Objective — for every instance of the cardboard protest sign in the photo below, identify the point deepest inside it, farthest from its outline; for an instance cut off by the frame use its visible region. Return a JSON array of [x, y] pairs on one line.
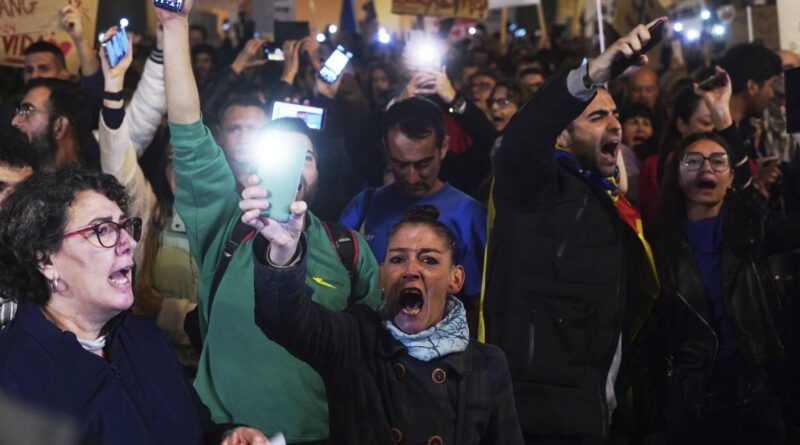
[[45, 12], [475, 9], [28, 16]]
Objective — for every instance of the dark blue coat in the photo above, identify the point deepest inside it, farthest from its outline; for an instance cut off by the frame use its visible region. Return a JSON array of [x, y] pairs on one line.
[[137, 395]]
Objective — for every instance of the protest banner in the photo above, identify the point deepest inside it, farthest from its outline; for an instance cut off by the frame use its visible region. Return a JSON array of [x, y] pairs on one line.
[[46, 12], [28, 16], [474, 9]]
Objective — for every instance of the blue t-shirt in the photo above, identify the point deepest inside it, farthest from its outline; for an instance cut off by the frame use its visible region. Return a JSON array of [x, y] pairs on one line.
[[464, 216], [704, 237]]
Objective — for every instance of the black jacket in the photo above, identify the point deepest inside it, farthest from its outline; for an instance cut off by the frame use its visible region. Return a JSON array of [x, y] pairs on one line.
[[377, 393], [563, 276], [687, 340]]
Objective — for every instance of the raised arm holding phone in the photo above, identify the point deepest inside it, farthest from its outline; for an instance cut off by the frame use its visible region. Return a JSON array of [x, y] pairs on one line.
[[183, 109], [242, 376], [566, 317]]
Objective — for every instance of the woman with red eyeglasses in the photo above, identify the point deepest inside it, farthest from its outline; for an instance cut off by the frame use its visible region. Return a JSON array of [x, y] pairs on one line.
[[66, 256]]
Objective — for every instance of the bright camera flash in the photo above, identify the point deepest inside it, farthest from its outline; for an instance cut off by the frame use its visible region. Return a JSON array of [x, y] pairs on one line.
[[425, 52], [718, 30], [472, 31], [101, 37], [677, 27], [271, 149], [383, 36], [123, 23], [320, 37], [705, 14], [520, 32], [692, 34]]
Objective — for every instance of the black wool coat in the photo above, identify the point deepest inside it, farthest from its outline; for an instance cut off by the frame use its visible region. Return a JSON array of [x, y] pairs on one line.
[[377, 393]]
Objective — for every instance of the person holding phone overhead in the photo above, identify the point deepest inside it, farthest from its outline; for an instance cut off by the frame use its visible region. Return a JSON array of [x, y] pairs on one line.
[[409, 372], [570, 279], [243, 376]]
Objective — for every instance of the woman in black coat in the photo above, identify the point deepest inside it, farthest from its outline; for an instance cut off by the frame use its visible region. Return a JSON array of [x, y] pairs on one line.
[[406, 374], [718, 317]]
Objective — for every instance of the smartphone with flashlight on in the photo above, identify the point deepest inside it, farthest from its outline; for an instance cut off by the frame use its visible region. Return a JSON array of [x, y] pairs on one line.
[[423, 52], [280, 162], [116, 47], [272, 51], [335, 65], [314, 117], [621, 63]]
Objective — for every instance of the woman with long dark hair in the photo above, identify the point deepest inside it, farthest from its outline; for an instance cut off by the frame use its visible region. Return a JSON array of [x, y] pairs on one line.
[[690, 115], [718, 318]]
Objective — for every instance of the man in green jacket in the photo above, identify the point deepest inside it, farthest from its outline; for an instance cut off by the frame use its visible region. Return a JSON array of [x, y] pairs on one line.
[[244, 377]]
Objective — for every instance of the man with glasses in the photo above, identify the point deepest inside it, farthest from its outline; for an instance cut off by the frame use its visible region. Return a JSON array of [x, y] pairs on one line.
[[416, 143], [55, 116], [45, 60]]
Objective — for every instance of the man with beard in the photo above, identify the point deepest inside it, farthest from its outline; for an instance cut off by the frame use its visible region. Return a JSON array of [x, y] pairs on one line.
[[416, 143], [55, 116], [242, 376], [569, 277]]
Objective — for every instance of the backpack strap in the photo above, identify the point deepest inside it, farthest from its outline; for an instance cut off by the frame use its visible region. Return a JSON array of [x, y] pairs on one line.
[[241, 233], [344, 241], [191, 324]]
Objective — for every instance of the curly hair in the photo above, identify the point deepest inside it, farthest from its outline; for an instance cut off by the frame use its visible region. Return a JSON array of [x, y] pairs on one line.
[[32, 222]]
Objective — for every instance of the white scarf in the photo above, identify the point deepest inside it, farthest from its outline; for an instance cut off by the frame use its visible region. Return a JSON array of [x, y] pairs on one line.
[[449, 335]]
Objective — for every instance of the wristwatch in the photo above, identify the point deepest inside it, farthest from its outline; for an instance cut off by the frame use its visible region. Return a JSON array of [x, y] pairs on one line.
[[113, 96], [458, 105]]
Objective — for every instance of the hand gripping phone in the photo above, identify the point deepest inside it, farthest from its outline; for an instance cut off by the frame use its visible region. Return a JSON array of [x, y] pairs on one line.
[[621, 63], [335, 65], [116, 48]]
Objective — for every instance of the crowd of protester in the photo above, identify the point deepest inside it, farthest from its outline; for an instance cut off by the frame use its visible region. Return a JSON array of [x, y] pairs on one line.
[[509, 247]]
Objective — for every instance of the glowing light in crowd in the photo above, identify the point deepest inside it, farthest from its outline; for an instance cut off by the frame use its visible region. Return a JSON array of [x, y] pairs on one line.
[[384, 36], [101, 37], [320, 37], [692, 34], [426, 52], [520, 32], [705, 14], [677, 27], [472, 31], [718, 30], [123, 22], [332, 29]]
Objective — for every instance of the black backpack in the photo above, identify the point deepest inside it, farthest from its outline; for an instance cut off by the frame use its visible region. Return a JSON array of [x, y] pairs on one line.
[[342, 239]]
